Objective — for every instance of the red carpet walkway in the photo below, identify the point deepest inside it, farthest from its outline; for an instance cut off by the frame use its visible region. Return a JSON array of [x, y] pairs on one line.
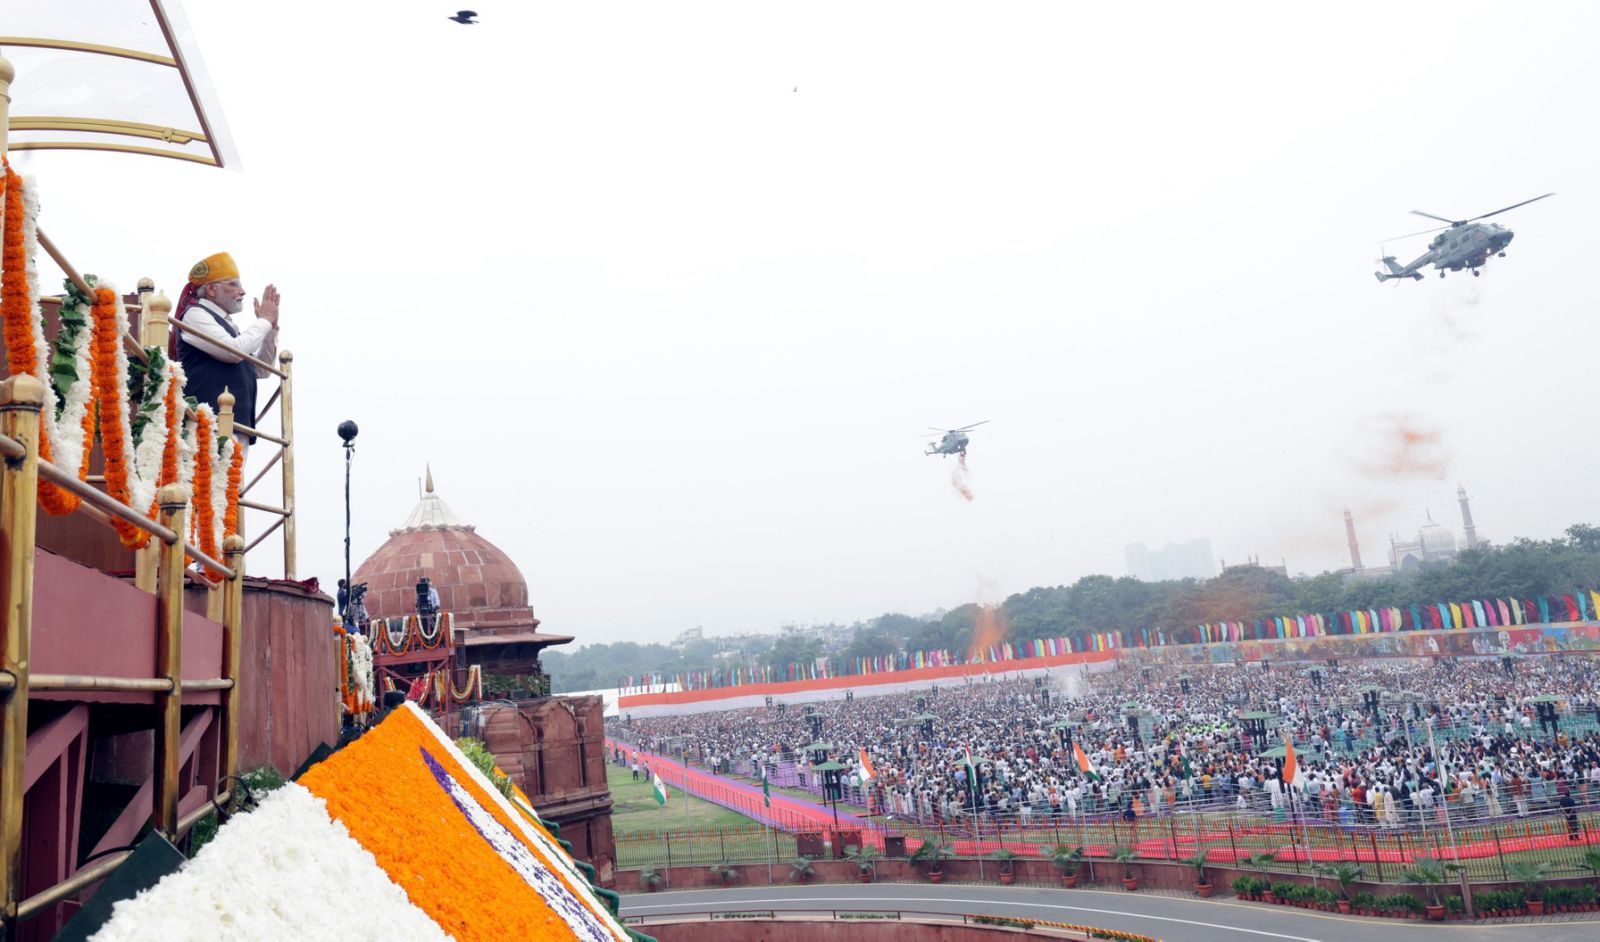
[[785, 813]]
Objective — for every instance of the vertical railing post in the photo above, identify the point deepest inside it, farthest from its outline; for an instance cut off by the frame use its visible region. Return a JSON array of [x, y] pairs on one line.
[[20, 401], [153, 332], [286, 412], [232, 650], [215, 603], [174, 502]]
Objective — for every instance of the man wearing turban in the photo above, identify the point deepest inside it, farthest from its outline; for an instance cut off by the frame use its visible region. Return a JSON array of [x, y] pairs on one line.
[[213, 351]]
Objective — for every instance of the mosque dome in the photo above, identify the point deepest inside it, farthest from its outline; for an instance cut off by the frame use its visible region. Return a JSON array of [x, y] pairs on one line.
[[476, 580], [1436, 540]]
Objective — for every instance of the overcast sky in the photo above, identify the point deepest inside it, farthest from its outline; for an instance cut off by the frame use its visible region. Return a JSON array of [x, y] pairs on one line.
[[666, 292]]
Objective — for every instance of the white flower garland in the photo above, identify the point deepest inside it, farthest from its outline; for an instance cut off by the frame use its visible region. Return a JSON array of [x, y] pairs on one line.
[[69, 446], [219, 490], [144, 471], [41, 346], [188, 446]]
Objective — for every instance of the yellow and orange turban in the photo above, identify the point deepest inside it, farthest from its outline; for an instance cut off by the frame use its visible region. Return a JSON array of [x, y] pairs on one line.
[[213, 268]]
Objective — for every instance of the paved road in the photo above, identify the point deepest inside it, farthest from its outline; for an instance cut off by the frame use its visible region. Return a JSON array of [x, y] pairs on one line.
[[1172, 918]]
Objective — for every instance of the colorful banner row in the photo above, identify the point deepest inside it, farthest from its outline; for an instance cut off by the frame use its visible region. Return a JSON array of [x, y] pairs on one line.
[[1477, 613]]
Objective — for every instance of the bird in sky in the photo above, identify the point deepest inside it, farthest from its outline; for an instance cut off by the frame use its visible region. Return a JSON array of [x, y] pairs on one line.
[[464, 17]]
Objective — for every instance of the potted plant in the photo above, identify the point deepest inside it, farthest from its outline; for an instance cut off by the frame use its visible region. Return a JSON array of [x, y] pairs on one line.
[[1259, 863], [1531, 874], [1126, 856], [1591, 862], [1365, 903], [865, 861], [933, 854], [1432, 874], [1007, 858], [1067, 860], [1345, 874], [649, 878], [803, 870], [724, 871], [1202, 886]]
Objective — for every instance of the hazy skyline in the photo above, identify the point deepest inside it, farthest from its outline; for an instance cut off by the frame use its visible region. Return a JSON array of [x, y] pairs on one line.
[[665, 295]]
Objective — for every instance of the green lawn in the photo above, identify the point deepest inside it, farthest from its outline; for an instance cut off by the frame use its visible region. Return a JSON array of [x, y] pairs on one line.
[[634, 808], [648, 834]]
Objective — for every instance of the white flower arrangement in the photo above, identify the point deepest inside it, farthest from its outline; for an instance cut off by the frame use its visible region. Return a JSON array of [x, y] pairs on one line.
[[144, 473], [284, 871], [69, 445], [219, 489]]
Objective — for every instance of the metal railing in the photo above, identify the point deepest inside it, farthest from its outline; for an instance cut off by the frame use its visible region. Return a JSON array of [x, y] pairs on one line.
[[21, 401]]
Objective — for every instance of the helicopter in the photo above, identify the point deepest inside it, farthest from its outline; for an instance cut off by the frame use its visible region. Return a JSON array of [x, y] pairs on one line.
[[1461, 243], [954, 441]]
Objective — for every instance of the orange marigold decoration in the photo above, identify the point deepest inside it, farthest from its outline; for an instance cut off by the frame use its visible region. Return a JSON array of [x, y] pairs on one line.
[[471, 891], [205, 462], [21, 355], [21, 323], [169, 455], [110, 382], [231, 514]]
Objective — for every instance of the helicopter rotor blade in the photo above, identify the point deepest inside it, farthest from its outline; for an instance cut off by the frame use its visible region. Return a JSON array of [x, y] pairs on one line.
[[1509, 208], [1410, 234], [966, 428], [1448, 222]]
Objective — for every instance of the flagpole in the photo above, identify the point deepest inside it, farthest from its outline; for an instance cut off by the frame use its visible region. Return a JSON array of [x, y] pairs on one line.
[[661, 828]]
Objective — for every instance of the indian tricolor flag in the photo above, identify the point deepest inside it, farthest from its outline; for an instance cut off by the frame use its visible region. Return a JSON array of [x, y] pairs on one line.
[[867, 772], [660, 788], [1084, 765], [396, 836]]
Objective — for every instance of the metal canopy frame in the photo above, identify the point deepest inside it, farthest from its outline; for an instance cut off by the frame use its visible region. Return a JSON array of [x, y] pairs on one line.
[[172, 58]]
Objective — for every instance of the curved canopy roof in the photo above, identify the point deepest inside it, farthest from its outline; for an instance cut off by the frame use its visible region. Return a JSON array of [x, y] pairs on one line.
[[111, 75]]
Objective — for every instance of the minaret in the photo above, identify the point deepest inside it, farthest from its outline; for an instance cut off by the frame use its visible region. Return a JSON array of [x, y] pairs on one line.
[[1466, 517], [1355, 548]]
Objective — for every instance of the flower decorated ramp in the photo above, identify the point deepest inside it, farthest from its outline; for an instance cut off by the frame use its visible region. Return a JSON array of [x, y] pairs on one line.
[[396, 836]]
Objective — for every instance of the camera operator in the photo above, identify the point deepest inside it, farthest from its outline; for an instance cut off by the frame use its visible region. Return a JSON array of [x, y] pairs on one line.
[[427, 604], [353, 606]]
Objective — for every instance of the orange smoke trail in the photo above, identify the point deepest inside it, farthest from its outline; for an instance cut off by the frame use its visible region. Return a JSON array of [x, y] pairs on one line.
[[991, 628], [1409, 450], [958, 477]]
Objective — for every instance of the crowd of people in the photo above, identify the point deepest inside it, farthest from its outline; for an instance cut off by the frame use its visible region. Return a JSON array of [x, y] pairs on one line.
[[1379, 743]]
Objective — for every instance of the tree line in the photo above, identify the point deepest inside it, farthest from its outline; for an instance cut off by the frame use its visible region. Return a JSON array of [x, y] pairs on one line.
[[1521, 569]]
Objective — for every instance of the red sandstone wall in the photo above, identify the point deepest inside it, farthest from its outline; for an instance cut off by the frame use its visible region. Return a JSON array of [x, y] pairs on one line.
[[288, 689], [555, 750]]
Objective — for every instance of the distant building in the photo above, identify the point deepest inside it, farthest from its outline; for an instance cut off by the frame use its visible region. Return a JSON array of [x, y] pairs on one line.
[[1254, 562], [1191, 560], [1434, 544]]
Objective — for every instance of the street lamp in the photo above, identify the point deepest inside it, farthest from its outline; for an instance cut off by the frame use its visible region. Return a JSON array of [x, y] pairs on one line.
[[347, 432]]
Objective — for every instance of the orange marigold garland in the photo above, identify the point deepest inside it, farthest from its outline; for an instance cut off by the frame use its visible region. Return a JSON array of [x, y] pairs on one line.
[[205, 462], [110, 382], [169, 455], [21, 355], [235, 472]]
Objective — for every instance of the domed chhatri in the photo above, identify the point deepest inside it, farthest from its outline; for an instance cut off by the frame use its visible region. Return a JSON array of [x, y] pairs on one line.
[[476, 580]]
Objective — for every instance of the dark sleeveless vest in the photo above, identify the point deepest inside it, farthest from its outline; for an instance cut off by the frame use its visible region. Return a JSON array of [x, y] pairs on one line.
[[208, 376]]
